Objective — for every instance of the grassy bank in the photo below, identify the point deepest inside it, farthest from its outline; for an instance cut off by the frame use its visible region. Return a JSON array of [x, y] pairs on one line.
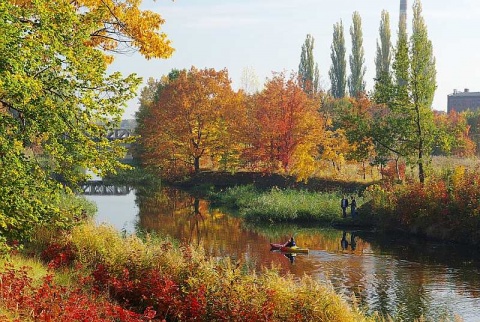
[[141, 279], [283, 205]]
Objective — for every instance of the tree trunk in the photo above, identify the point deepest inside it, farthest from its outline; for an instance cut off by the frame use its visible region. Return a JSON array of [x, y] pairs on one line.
[[421, 171], [364, 170], [397, 169], [196, 163]]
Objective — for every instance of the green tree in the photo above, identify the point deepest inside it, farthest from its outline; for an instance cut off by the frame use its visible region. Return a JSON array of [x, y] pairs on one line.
[[406, 127], [338, 70], [401, 64], [57, 102], [356, 82], [392, 128], [383, 61], [422, 89], [308, 73]]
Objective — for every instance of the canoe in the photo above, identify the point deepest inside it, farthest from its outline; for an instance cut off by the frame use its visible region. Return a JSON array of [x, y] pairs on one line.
[[283, 249]]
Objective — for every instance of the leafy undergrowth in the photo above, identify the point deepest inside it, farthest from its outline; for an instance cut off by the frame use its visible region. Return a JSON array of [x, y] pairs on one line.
[[152, 279], [446, 207], [23, 300]]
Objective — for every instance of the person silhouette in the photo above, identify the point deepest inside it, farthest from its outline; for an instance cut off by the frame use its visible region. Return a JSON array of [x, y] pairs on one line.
[[290, 243], [344, 205], [353, 243], [353, 207], [344, 242], [291, 257]]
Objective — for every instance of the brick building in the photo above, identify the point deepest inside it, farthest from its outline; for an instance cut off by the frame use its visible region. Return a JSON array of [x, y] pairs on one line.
[[462, 101]]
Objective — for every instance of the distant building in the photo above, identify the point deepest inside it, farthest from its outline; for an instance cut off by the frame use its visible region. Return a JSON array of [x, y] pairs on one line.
[[462, 101]]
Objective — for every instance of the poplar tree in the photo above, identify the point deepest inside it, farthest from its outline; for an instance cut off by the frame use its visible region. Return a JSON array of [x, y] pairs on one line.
[[337, 71], [422, 88], [383, 61], [356, 82], [308, 73], [401, 62]]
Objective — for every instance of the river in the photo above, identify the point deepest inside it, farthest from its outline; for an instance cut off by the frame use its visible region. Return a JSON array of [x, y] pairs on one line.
[[403, 277]]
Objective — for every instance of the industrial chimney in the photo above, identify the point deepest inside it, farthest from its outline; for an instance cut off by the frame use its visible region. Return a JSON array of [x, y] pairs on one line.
[[403, 10]]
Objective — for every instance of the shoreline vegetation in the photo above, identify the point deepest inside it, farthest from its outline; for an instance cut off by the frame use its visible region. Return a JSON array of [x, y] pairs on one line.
[[446, 207], [152, 278], [143, 277]]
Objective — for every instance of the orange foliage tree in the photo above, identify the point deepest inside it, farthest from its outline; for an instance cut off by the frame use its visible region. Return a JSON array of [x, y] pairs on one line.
[[285, 128], [453, 134], [122, 26], [193, 117]]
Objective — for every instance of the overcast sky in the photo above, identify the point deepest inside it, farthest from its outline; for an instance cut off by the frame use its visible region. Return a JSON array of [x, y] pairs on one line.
[[267, 36]]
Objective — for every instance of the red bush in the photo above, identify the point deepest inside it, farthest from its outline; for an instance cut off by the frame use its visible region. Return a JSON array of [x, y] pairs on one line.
[[50, 302], [58, 255]]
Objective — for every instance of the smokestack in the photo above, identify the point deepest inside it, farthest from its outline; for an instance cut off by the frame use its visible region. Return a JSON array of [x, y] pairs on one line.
[[403, 10]]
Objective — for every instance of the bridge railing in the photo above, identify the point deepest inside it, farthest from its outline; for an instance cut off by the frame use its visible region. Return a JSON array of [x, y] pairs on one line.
[[117, 134], [100, 188]]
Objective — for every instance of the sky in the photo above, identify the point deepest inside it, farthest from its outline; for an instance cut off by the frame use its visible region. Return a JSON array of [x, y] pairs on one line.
[[267, 35]]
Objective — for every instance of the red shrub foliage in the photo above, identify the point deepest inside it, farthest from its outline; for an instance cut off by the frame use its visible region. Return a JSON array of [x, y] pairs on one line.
[[446, 207], [149, 290], [58, 255], [50, 302]]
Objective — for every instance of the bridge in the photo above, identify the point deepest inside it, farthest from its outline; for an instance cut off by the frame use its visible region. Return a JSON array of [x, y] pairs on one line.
[[100, 188], [118, 134]]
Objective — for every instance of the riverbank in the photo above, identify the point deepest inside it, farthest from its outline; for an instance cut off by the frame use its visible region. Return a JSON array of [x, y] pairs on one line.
[[445, 208], [148, 278]]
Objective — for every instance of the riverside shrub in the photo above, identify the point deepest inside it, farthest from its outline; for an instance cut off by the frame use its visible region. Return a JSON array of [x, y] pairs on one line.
[[26, 301], [446, 206], [152, 277]]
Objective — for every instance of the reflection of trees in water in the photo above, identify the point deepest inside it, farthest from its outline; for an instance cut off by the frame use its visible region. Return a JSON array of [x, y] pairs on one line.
[[386, 274], [462, 260], [312, 237], [189, 219], [416, 263]]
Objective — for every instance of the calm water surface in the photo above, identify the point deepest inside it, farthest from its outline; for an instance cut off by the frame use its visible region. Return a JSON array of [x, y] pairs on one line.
[[403, 277]]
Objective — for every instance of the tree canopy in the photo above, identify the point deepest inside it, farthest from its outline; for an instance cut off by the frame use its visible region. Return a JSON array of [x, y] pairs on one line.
[[57, 101]]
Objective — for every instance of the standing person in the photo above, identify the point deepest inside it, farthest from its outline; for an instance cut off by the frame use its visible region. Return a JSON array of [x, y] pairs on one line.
[[344, 205], [353, 207]]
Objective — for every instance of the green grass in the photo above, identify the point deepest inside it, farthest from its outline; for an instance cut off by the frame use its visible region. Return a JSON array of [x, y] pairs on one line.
[[277, 205]]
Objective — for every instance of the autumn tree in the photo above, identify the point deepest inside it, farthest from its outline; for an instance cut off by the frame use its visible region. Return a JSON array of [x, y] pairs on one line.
[[452, 135], [308, 73], [121, 26], [58, 102], [338, 70], [288, 128], [356, 81], [147, 100], [192, 118], [473, 122]]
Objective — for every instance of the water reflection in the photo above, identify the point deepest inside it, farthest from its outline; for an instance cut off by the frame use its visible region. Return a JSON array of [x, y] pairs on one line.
[[400, 276]]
